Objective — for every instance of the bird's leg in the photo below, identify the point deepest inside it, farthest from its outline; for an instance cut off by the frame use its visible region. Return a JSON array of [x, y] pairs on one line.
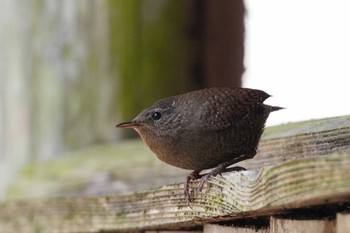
[[217, 171], [221, 168], [193, 176]]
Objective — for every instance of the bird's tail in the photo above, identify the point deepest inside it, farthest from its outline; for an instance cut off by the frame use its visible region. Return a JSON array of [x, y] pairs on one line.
[[275, 108]]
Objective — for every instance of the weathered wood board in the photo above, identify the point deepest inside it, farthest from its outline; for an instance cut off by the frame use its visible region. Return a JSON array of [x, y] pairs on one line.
[[304, 180], [105, 169], [249, 193]]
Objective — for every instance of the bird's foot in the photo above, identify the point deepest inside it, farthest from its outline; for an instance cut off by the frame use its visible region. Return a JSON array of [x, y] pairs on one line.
[[193, 176], [205, 177], [217, 171]]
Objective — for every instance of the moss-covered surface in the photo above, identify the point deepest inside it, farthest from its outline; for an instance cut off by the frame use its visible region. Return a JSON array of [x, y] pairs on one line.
[[167, 50], [150, 52], [314, 125], [125, 54], [110, 168], [127, 166]]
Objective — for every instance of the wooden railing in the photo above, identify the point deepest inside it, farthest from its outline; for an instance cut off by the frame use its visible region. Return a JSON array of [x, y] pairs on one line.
[[299, 182]]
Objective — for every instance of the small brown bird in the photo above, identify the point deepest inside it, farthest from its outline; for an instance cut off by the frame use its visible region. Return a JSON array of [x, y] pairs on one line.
[[203, 129]]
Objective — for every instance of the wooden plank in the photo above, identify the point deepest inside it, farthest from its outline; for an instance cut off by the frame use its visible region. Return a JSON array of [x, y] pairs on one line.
[[281, 225], [173, 231], [98, 169], [271, 189], [213, 228], [301, 140], [343, 223]]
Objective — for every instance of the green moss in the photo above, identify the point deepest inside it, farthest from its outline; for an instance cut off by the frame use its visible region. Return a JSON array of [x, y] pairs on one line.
[[300, 127], [150, 53], [120, 216], [73, 171], [167, 51], [125, 53], [217, 198]]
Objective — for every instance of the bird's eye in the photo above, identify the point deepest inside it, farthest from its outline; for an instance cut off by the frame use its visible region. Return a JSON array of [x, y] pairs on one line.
[[156, 116]]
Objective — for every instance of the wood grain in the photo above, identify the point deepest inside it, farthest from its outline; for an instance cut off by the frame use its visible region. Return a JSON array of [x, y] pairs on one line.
[[302, 226], [213, 228], [250, 193], [343, 222], [301, 140], [106, 168], [309, 177]]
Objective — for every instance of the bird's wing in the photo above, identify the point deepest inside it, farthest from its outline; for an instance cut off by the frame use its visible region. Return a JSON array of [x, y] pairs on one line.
[[225, 107]]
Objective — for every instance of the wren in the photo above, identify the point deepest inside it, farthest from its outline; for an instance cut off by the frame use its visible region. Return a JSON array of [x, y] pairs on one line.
[[203, 129]]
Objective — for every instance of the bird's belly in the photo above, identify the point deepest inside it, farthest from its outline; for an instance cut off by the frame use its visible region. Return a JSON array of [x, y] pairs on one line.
[[204, 151]]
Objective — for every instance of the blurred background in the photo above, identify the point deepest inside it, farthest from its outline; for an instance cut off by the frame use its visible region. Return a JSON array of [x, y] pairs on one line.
[[70, 70]]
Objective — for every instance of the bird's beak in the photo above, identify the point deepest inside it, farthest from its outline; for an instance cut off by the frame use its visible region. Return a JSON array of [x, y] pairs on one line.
[[129, 124]]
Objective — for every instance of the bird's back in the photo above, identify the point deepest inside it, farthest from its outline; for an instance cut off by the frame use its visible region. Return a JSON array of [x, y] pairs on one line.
[[223, 123], [220, 108]]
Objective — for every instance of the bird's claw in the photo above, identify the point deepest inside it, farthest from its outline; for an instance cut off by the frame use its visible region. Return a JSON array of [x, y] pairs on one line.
[[205, 178], [193, 176]]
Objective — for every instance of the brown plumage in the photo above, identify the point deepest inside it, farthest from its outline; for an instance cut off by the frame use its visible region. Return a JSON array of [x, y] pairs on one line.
[[208, 128]]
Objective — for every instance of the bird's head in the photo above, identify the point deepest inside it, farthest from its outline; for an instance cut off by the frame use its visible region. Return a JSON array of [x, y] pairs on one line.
[[156, 120]]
